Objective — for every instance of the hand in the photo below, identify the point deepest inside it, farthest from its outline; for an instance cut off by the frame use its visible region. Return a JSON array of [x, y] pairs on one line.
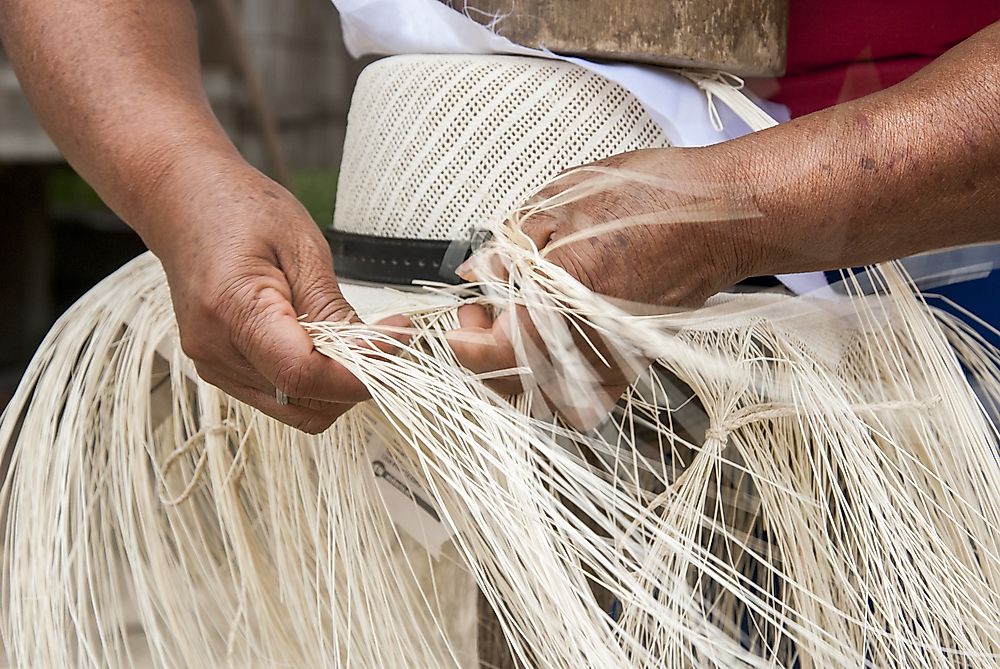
[[665, 232], [244, 259]]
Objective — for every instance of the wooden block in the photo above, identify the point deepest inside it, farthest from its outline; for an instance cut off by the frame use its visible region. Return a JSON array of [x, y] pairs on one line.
[[746, 37]]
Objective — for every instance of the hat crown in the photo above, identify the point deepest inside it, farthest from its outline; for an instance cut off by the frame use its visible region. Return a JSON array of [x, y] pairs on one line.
[[438, 145]]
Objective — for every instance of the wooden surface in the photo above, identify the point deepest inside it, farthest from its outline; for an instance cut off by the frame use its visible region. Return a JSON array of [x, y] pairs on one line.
[[739, 36]]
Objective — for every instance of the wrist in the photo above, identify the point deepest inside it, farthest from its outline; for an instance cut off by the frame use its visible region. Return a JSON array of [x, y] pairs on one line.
[[816, 183], [788, 189], [174, 189], [746, 220]]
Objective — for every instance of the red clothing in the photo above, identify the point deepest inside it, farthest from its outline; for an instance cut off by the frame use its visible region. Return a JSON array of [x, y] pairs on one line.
[[839, 50]]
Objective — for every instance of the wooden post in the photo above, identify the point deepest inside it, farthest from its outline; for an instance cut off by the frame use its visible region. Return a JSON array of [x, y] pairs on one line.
[[277, 166], [744, 37]]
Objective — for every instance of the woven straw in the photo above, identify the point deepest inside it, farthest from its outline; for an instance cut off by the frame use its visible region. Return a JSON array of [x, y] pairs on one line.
[[438, 144]]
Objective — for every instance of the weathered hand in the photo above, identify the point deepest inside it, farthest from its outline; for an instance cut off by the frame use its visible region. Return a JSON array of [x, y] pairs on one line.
[[247, 263], [665, 232]]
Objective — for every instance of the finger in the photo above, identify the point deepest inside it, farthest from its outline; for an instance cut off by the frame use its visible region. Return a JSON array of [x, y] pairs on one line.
[[517, 347], [541, 228], [228, 363], [223, 378], [483, 266], [488, 265], [482, 346], [275, 343], [315, 292], [225, 367], [398, 327], [474, 316], [581, 396], [312, 419], [301, 418], [590, 415]]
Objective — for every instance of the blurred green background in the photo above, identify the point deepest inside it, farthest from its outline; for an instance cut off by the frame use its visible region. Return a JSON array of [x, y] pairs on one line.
[[66, 192]]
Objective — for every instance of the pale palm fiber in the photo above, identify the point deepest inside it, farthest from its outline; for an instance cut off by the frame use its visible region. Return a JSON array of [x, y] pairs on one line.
[[795, 482], [837, 508]]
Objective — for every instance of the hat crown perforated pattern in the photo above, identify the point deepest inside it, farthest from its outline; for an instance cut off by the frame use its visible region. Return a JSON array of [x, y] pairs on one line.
[[437, 145]]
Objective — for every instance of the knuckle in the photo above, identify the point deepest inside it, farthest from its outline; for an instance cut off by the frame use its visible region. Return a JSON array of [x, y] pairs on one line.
[[307, 255], [196, 348], [321, 298], [541, 228]]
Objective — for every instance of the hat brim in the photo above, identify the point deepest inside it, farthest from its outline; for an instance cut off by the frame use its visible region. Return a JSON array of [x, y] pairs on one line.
[[373, 302]]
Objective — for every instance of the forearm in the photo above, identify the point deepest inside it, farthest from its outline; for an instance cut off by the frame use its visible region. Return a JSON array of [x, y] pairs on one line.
[[913, 168], [117, 85]]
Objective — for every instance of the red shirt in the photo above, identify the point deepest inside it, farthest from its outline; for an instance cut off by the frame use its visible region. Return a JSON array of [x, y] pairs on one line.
[[839, 50]]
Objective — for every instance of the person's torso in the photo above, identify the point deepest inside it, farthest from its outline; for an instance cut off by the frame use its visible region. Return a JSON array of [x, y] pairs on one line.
[[844, 49]]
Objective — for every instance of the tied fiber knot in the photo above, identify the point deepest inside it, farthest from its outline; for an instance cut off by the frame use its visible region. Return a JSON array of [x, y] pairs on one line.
[[198, 437], [856, 448], [718, 432], [720, 429]]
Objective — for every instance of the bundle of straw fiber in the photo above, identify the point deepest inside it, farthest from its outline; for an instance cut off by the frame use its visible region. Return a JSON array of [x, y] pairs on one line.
[[793, 482], [839, 510]]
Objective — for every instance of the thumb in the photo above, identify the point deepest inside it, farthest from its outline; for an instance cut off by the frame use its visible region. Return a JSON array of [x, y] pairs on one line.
[[316, 294], [315, 291], [484, 265]]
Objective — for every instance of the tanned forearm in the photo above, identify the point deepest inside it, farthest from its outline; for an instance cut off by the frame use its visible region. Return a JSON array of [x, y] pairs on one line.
[[117, 85], [913, 168]]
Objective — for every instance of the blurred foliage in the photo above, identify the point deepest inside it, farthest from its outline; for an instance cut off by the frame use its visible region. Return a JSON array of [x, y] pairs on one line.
[[68, 192], [316, 189]]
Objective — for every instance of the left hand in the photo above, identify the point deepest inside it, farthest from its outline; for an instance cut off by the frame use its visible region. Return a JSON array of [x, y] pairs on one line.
[[689, 236]]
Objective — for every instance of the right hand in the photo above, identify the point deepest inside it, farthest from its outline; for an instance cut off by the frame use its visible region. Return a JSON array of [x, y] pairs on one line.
[[688, 231], [244, 260]]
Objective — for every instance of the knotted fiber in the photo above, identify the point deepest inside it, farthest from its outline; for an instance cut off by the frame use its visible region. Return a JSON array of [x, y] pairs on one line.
[[793, 483]]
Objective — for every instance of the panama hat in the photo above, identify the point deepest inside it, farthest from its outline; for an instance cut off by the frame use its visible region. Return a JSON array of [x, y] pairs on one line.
[[440, 146]]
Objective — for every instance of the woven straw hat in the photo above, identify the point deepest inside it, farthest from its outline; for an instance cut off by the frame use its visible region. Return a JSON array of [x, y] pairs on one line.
[[440, 145]]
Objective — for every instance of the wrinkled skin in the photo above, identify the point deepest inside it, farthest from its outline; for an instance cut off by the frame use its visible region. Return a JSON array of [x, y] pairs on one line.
[[117, 85], [913, 168], [633, 264], [238, 291], [626, 264]]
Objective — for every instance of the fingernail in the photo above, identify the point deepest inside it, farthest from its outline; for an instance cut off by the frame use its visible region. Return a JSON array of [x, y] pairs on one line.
[[466, 270]]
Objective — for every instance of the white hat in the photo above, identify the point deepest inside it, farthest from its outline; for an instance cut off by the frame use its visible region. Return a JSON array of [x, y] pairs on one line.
[[440, 145]]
